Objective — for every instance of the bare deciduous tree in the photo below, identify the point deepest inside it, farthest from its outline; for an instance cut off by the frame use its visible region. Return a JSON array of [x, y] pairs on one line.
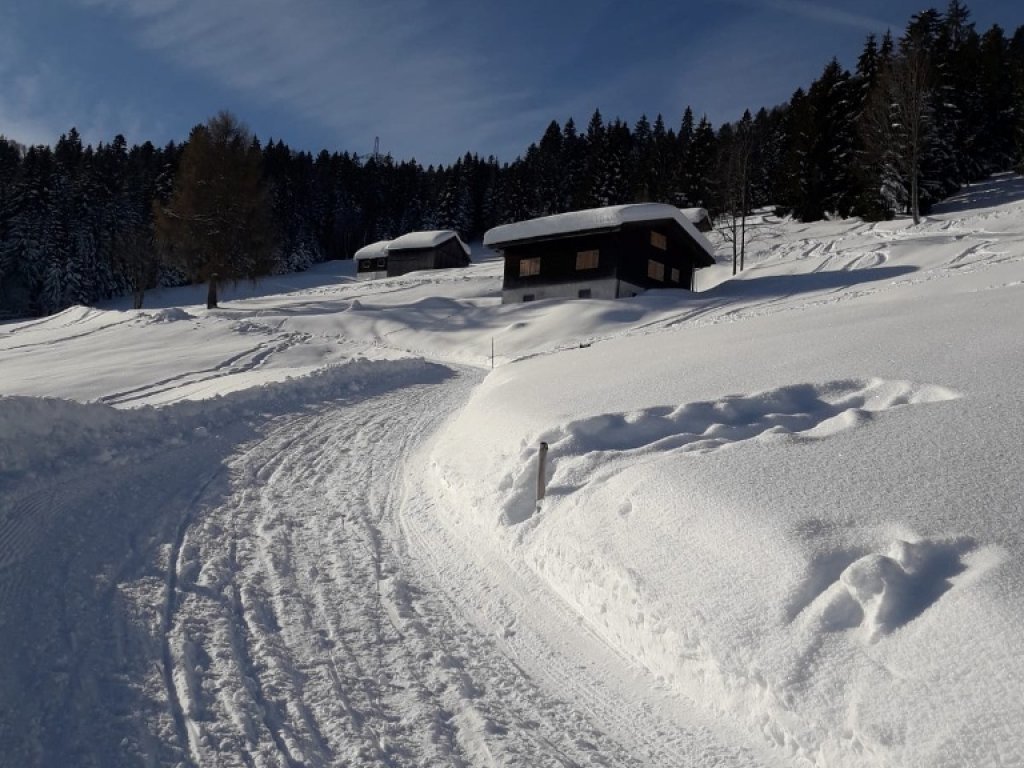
[[896, 123], [216, 226], [737, 147], [134, 252]]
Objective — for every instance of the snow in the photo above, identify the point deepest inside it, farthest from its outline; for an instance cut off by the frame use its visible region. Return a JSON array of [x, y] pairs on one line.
[[781, 524], [593, 220], [372, 251], [695, 215], [412, 241]]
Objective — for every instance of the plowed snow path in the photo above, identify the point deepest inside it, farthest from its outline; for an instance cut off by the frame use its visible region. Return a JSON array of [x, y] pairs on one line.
[[322, 615]]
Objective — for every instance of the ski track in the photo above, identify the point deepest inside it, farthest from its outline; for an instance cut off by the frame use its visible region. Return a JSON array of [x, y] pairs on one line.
[[323, 615], [46, 342], [241, 362]]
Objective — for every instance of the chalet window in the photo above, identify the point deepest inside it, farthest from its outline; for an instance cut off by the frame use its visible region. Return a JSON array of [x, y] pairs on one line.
[[584, 293], [675, 275], [528, 297], [655, 270], [659, 241], [587, 259], [529, 267], [381, 263]]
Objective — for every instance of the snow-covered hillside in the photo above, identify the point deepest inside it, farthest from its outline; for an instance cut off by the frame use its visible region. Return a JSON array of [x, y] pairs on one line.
[[782, 523]]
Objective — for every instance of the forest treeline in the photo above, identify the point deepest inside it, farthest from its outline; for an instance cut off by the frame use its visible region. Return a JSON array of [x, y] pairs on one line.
[[921, 114]]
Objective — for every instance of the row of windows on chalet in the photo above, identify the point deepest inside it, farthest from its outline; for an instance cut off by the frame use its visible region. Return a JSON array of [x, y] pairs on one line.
[[589, 260]]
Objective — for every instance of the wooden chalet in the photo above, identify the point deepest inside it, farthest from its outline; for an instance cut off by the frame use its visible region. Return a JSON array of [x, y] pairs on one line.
[[372, 261], [439, 249], [603, 253]]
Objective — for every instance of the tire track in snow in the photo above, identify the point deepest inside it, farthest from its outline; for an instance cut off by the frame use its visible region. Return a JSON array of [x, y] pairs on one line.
[[334, 604], [185, 732]]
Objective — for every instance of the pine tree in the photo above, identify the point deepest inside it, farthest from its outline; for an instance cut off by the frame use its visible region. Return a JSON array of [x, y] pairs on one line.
[[641, 170], [594, 188], [701, 162], [684, 171], [996, 140], [548, 172], [1017, 66]]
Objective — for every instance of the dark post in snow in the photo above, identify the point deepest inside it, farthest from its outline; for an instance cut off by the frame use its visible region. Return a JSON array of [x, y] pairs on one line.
[[542, 458]]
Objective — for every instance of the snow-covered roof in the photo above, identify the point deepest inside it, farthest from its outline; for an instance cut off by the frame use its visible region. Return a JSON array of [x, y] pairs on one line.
[[414, 241], [372, 251], [695, 215], [592, 220]]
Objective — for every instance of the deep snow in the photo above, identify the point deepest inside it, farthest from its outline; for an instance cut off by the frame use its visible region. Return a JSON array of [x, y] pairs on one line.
[[782, 524]]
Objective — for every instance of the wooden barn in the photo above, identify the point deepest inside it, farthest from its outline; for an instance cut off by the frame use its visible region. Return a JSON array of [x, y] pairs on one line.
[[439, 249], [603, 253], [372, 261]]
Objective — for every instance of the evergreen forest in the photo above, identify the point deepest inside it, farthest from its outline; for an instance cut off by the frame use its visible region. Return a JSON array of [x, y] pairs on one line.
[[922, 114]]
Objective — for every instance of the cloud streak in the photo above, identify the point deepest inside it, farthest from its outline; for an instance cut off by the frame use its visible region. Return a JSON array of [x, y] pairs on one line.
[[823, 13], [394, 68]]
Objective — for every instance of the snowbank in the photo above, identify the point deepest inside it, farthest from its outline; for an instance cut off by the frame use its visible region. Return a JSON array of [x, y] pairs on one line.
[[798, 508]]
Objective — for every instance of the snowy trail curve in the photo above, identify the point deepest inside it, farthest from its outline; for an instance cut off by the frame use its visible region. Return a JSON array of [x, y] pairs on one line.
[[322, 618]]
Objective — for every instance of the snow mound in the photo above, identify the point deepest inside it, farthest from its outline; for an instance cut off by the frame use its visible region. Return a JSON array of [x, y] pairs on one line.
[[587, 449], [168, 315], [43, 435], [880, 593]]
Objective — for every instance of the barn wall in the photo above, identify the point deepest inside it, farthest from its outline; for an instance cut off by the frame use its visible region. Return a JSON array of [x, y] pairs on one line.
[[447, 255], [638, 249], [450, 254], [624, 254], [403, 262]]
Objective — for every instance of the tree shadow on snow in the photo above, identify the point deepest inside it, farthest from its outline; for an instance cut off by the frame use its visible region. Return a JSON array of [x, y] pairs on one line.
[[782, 286], [997, 190]]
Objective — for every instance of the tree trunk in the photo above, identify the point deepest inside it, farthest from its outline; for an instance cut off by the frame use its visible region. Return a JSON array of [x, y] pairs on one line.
[[735, 245], [743, 241], [211, 293]]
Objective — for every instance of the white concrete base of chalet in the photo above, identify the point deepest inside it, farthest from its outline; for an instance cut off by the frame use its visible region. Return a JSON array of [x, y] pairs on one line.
[[609, 288]]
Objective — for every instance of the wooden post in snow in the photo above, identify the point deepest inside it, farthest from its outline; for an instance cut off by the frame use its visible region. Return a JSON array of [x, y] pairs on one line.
[[542, 459]]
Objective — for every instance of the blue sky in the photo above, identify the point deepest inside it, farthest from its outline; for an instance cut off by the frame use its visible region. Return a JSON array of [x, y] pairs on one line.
[[432, 78]]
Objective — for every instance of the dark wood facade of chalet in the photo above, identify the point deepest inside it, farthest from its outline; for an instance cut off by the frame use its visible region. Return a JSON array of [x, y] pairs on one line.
[[371, 265], [637, 256], [448, 254]]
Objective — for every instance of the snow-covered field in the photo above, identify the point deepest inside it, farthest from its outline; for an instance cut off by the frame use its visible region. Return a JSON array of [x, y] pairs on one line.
[[782, 526]]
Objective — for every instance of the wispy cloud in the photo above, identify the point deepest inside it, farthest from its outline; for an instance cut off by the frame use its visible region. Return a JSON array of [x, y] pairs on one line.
[[38, 102], [824, 13], [394, 68], [21, 96]]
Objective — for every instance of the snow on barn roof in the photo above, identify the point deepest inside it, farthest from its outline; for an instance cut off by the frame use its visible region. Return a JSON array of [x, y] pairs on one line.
[[695, 215], [414, 241], [372, 251], [592, 220]]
